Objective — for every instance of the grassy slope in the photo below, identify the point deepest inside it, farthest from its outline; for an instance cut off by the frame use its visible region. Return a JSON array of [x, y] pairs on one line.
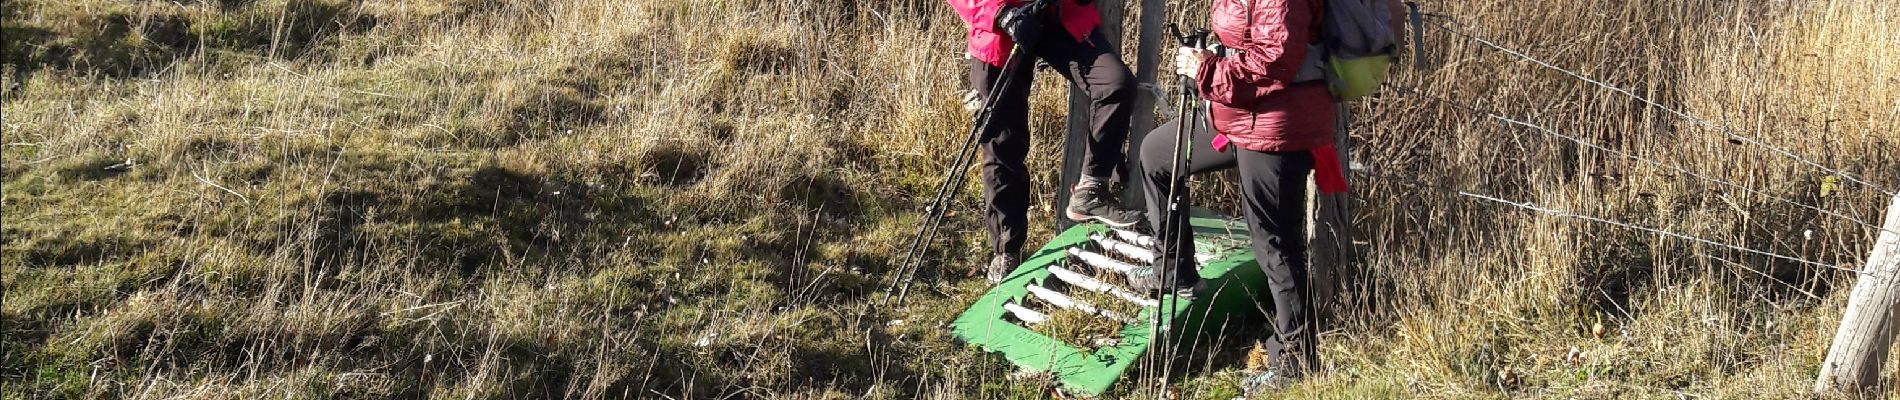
[[588, 198]]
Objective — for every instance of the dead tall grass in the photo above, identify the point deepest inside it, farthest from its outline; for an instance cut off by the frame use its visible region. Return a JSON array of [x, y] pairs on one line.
[[600, 199]]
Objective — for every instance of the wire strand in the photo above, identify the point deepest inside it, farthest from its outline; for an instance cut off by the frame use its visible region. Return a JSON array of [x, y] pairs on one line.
[[1730, 132], [1673, 167], [1562, 213]]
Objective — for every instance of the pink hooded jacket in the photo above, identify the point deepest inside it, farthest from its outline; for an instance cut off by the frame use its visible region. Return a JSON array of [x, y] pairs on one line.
[[991, 46]]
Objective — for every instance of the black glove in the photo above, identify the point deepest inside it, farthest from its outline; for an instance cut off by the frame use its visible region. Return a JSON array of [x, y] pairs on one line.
[[1022, 23]]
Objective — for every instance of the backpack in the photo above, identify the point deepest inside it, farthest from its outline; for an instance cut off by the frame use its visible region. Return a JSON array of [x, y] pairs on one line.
[[1356, 44]]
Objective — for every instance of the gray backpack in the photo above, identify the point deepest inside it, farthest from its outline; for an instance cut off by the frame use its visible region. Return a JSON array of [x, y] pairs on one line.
[[1356, 44]]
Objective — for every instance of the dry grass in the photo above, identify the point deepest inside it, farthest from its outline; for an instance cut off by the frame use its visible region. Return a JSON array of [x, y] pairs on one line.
[[599, 199]]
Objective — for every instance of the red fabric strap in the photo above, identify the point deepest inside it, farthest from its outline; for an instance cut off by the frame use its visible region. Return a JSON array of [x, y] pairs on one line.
[[1327, 173]]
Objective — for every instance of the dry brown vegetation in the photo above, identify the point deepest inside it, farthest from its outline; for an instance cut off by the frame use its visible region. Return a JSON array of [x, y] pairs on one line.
[[668, 198]]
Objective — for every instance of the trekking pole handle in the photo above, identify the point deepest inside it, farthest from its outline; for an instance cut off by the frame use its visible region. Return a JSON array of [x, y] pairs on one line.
[[1038, 7], [1196, 39]]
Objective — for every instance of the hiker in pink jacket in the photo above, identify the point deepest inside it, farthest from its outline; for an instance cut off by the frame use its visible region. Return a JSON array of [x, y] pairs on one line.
[[1063, 33], [1275, 130]]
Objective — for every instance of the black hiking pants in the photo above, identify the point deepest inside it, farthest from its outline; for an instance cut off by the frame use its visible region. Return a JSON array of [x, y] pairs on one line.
[[1273, 199], [1095, 67]]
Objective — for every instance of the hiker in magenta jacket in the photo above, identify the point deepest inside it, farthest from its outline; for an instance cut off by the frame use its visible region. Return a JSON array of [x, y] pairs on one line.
[[1065, 35], [991, 46], [1269, 127]]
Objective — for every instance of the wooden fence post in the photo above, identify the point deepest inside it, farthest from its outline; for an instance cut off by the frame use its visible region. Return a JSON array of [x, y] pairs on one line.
[[1866, 332], [1147, 62], [1329, 231]]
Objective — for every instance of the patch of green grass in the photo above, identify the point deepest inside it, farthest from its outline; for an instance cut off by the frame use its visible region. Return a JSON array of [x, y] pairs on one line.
[[62, 382]]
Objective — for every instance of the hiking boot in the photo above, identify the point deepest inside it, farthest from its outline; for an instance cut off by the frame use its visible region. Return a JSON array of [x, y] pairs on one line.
[[1147, 281], [1273, 379], [1093, 203], [1279, 374], [1001, 265]]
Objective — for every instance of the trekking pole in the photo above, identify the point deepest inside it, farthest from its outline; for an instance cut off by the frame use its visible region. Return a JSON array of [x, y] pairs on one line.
[[1169, 232], [953, 181], [958, 174]]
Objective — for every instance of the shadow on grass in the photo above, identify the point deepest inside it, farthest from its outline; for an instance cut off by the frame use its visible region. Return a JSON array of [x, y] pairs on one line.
[[123, 44], [496, 215]]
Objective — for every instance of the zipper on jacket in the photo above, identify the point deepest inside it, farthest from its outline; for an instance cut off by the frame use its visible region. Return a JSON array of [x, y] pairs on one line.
[[1253, 117]]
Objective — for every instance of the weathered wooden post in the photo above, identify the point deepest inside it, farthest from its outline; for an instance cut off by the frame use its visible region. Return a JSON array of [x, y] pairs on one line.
[[1866, 332], [1147, 62], [1329, 230], [1329, 215]]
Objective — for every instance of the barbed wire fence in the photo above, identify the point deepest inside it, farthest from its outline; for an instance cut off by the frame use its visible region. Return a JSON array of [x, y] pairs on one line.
[[1437, 23], [1865, 332]]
